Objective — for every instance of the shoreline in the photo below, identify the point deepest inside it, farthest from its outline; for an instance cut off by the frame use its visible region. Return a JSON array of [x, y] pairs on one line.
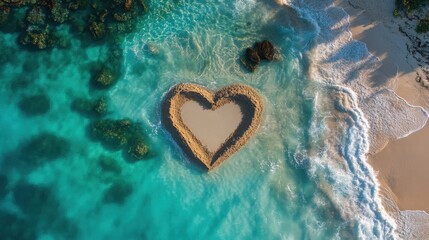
[[400, 163]]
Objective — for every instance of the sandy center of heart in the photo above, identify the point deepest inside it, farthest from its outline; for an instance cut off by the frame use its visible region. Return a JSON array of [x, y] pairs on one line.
[[210, 127]]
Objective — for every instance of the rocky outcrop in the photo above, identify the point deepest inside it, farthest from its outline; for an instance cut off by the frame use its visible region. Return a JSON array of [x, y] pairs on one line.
[[96, 19], [38, 38], [120, 134], [263, 50], [35, 105], [418, 44], [104, 79]]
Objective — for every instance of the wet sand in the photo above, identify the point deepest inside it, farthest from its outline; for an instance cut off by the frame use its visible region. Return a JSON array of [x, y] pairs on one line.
[[402, 164], [212, 128]]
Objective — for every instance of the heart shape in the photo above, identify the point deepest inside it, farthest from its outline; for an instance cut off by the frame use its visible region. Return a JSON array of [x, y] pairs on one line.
[[248, 100]]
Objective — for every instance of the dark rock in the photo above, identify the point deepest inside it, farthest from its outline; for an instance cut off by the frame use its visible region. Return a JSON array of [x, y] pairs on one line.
[[117, 134], [248, 64], [44, 147], [109, 164], [265, 50], [43, 212], [252, 56], [36, 16], [37, 38], [34, 105], [13, 227], [100, 106], [423, 25], [98, 30], [4, 15], [33, 200], [122, 17], [104, 78], [113, 133], [91, 108], [14, 3], [261, 51], [118, 192], [128, 4], [19, 83], [59, 13], [3, 186], [143, 5], [137, 148]]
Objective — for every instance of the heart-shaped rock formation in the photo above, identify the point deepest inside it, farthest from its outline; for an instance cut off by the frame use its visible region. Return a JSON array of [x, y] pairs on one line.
[[248, 100]]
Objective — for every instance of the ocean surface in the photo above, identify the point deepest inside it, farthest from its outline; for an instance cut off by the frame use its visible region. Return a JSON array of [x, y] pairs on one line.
[[302, 176]]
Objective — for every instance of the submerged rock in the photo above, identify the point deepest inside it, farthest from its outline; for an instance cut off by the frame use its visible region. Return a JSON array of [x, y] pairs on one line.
[[44, 147], [104, 78], [119, 134], [99, 20], [137, 149], [88, 107], [3, 185], [108, 164], [118, 192], [59, 13], [39, 39], [36, 16], [113, 133], [4, 15], [19, 84], [33, 200], [35, 105], [14, 227], [43, 212], [98, 30]]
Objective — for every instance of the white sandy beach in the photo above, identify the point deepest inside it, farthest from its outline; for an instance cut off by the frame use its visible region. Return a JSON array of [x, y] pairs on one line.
[[402, 164]]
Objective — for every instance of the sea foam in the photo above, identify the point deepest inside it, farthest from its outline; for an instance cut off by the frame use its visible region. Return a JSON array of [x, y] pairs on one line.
[[372, 116]]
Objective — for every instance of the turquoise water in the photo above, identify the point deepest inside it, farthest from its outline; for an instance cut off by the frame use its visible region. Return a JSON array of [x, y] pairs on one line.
[[284, 184]]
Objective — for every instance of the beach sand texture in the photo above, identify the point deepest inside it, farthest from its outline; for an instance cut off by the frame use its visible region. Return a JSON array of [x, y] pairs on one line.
[[212, 128], [188, 131], [402, 164]]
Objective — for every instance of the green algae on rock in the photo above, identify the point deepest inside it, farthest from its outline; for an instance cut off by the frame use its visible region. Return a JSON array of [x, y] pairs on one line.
[[113, 133], [90, 108], [117, 134], [94, 18], [105, 78], [137, 148]]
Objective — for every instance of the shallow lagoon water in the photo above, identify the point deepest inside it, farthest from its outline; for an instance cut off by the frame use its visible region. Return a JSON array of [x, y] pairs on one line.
[[273, 188]]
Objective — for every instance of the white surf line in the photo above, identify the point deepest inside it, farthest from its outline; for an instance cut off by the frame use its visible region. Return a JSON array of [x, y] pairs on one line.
[[413, 106], [362, 122], [395, 79]]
